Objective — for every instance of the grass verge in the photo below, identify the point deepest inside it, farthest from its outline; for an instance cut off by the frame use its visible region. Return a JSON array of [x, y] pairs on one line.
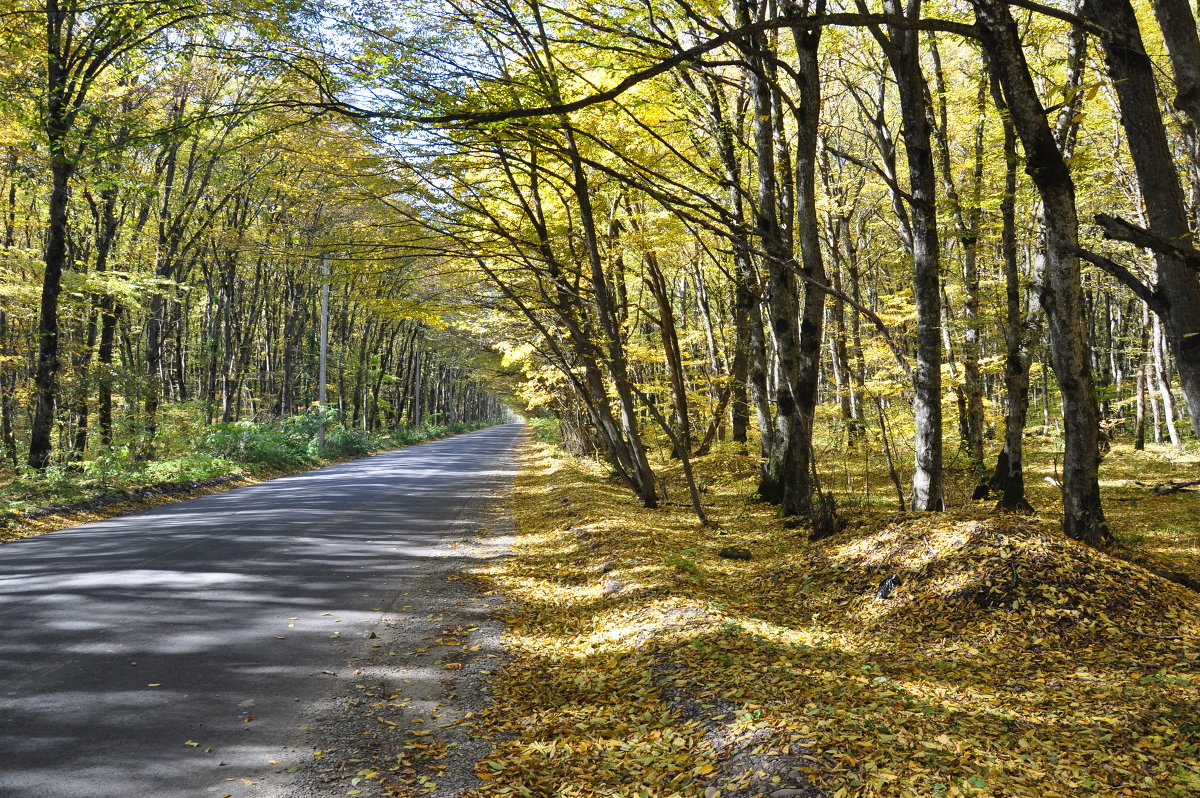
[[38, 505]]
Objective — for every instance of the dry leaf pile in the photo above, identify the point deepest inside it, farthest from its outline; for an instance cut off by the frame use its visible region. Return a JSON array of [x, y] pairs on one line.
[[1004, 660]]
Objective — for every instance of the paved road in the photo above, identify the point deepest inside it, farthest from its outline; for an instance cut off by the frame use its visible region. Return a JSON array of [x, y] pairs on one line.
[[124, 640]]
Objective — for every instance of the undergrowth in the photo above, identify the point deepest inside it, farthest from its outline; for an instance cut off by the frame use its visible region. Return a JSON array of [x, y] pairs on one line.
[[193, 453]]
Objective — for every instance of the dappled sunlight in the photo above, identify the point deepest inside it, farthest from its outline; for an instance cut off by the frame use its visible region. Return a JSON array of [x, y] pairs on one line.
[[192, 634], [1005, 660]]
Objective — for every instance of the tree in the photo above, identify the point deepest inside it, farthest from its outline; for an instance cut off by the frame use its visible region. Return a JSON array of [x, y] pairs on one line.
[[1061, 297], [81, 44]]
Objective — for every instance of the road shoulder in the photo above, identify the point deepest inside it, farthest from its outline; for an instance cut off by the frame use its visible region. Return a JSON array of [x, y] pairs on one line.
[[396, 718]]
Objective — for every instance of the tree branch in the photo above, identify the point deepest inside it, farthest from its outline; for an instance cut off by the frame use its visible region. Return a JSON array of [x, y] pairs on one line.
[[1117, 229], [873, 167], [1065, 16], [865, 311], [680, 58], [1127, 278]]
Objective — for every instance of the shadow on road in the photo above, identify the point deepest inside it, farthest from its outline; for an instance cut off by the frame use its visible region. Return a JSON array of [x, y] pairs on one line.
[[161, 653]]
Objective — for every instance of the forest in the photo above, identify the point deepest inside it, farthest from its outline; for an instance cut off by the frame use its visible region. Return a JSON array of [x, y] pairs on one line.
[[175, 218], [917, 229], [857, 344]]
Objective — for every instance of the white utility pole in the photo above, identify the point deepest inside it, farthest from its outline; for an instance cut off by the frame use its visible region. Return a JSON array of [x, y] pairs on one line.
[[324, 350]]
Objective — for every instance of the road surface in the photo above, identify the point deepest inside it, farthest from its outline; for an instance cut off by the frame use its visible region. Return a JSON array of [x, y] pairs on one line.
[[163, 653]]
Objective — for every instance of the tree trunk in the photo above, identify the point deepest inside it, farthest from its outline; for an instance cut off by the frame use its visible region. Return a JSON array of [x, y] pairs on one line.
[[799, 491], [1020, 331], [1062, 295], [903, 54], [46, 375], [782, 466], [1178, 28], [1162, 195], [606, 310], [1163, 377], [672, 357], [1139, 433], [8, 438], [967, 216]]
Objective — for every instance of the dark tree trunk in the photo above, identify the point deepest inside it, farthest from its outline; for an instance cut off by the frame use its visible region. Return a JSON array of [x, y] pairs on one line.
[[1062, 295], [606, 311], [799, 489], [1009, 477], [672, 356], [782, 298], [1162, 195], [46, 375], [8, 438]]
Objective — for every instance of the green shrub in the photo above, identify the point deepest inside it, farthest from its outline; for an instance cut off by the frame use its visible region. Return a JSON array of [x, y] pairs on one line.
[[342, 442], [56, 483], [189, 468], [274, 446], [546, 429], [114, 465], [306, 425], [180, 425]]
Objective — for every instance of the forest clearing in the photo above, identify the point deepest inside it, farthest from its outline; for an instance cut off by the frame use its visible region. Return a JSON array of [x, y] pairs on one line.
[[858, 344]]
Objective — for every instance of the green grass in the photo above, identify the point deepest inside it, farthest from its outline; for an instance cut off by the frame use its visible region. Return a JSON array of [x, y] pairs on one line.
[[191, 452]]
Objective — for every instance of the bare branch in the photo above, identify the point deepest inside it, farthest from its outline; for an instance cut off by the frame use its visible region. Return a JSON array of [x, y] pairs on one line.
[[1123, 276], [1117, 229], [1065, 16]]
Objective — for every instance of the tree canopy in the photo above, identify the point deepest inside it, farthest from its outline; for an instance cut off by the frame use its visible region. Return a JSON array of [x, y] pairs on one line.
[[909, 229]]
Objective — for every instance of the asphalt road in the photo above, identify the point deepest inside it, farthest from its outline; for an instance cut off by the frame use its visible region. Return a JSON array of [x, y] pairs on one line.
[[215, 621]]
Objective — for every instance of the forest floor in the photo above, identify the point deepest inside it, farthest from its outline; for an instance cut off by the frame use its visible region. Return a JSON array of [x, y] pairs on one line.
[[1007, 660]]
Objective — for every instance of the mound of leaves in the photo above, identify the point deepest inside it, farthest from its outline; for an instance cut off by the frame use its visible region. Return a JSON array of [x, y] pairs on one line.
[[1005, 573]]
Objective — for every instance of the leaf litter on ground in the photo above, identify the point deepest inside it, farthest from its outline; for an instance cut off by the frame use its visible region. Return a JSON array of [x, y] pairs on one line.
[[1004, 659]]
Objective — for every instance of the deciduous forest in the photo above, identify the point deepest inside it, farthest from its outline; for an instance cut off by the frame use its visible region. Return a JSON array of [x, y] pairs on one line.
[[893, 259]]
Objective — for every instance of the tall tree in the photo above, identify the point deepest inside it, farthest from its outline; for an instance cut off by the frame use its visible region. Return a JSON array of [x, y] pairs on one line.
[[1062, 295], [81, 43], [902, 47]]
